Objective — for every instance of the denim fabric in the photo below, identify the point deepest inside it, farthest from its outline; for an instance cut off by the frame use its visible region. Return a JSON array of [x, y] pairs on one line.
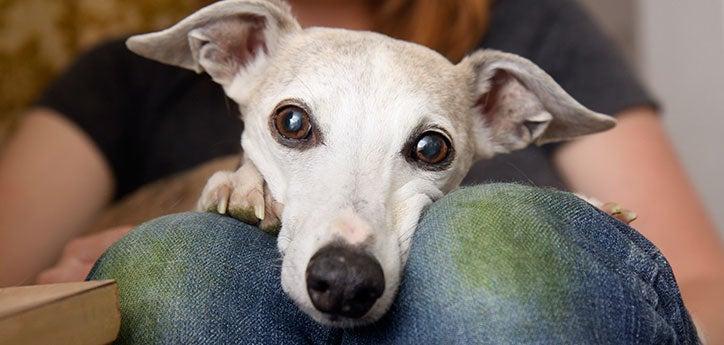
[[495, 264]]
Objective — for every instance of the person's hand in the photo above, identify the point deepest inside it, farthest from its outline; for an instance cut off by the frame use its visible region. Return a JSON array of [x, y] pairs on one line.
[[80, 254]]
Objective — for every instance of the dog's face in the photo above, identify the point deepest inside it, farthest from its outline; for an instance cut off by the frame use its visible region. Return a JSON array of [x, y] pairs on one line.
[[355, 133]]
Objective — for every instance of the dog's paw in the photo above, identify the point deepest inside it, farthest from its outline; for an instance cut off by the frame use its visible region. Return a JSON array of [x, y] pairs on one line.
[[238, 194], [613, 209], [619, 212], [241, 194]]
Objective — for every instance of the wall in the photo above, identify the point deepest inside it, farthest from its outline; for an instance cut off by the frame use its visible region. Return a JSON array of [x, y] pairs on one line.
[[678, 49]]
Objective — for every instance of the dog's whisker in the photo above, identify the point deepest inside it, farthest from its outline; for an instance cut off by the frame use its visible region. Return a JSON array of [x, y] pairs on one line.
[[304, 84], [522, 173]]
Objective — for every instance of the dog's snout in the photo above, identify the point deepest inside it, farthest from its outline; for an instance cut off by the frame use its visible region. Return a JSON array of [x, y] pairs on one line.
[[343, 281]]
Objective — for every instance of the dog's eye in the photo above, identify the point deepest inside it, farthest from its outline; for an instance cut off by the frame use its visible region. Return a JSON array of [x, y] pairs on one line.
[[431, 148], [293, 122]]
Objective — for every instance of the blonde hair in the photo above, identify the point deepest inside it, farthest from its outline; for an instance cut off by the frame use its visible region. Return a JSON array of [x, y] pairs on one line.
[[451, 27]]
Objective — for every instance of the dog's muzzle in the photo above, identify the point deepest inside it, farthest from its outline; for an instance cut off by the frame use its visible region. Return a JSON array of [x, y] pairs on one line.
[[344, 281]]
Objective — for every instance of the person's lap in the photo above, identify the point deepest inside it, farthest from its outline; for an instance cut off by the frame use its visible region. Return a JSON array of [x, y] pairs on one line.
[[495, 264]]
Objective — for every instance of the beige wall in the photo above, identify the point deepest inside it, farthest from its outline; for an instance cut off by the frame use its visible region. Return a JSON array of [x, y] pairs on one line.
[[678, 48]]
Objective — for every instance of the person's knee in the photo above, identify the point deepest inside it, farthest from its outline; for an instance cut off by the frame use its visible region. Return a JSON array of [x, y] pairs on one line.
[[503, 198], [506, 233], [198, 269], [497, 209], [180, 238], [532, 252], [496, 230]]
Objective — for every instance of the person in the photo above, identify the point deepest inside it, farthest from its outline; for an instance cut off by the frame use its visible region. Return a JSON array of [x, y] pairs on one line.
[[107, 127]]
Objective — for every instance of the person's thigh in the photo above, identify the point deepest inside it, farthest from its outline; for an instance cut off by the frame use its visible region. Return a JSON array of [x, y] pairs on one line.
[[201, 278], [511, 264]]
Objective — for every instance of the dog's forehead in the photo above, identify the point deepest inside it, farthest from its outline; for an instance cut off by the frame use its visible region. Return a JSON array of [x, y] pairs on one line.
[[352, 64], [347, 49]]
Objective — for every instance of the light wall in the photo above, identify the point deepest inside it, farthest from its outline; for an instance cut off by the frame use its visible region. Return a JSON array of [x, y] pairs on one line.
[[678, 49], [681, 46]]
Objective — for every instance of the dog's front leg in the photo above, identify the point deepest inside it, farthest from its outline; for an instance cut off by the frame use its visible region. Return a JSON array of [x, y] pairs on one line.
[[242, 194]]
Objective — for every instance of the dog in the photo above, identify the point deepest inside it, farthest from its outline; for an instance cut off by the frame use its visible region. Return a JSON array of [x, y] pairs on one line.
[[349, 135]]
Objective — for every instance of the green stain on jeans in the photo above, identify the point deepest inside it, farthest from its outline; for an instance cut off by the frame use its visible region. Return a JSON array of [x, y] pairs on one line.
[[142, 298], [508, 246]]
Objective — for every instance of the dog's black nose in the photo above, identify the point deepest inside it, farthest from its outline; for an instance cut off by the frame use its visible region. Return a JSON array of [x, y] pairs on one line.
[[344, 281]]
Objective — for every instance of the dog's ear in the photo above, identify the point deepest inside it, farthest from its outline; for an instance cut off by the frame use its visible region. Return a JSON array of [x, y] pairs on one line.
[[518, 104], [220, 39]]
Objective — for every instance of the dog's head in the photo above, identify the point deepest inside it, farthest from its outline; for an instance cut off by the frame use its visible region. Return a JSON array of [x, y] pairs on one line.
[[355, 133]]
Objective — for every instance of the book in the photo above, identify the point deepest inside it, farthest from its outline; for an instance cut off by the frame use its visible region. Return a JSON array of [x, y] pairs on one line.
[[68, 313]]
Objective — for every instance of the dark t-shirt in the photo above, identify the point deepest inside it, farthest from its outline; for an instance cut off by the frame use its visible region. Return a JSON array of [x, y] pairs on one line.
[[152, 120]]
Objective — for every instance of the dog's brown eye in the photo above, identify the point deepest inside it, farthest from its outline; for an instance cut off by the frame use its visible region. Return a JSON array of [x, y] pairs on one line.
[[293, 122], [431, 148]]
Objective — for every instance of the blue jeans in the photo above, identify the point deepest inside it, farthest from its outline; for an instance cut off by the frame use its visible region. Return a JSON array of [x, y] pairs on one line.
[[497, 264]]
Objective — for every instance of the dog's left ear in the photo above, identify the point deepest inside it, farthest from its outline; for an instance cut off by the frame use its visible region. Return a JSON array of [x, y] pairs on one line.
[[518, 104], [221, 39]]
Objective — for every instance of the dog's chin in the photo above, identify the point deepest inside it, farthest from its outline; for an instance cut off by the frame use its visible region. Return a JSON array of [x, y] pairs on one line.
[[301, 300], [344, 322]]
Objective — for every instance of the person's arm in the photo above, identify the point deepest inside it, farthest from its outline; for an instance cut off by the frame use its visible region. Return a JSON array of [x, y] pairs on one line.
[[53, 181], [635, 165]]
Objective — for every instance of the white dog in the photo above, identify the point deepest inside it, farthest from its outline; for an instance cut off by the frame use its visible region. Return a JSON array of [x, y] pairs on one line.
[[348, 135]]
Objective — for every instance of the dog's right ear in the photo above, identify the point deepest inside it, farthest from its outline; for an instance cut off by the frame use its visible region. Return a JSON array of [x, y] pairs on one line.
[[221, 39]]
